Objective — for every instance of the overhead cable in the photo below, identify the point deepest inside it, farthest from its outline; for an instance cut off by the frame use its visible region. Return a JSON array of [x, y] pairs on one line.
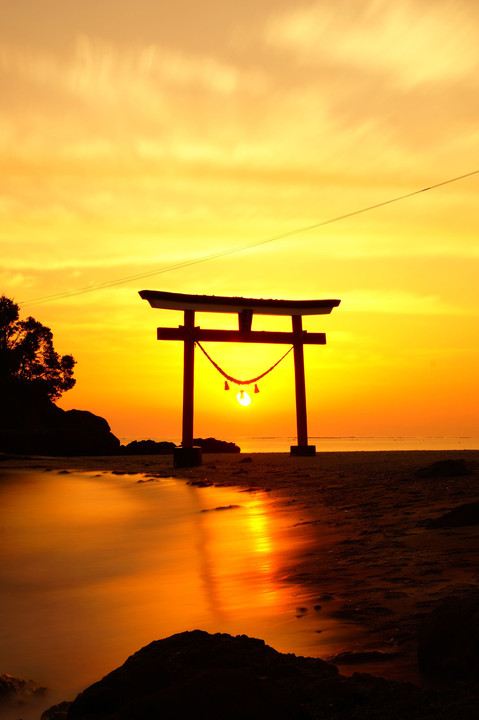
[[239, 248]]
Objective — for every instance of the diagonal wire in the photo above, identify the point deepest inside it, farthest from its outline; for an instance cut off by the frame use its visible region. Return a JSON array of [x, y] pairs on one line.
[[242, 248]]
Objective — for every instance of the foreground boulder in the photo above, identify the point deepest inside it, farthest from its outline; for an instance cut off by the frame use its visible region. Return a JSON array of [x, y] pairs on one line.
[[448, 640], [193, 675], [220, 677], [445, 469], [462, 516]]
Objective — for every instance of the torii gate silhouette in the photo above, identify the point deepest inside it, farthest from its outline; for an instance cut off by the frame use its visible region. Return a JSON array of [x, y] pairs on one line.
[[187, 455]]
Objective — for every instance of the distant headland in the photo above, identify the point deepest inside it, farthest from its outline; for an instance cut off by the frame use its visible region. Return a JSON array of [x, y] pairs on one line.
[[33, 425], [32, 377]]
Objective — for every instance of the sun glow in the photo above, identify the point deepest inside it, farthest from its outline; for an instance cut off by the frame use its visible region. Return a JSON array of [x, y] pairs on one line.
[[243, 398]]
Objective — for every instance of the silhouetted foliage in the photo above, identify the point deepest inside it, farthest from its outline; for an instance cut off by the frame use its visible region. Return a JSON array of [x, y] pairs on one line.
[[28, 361]]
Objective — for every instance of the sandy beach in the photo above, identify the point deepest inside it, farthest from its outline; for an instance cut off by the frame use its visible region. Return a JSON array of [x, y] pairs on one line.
[[369, 557]]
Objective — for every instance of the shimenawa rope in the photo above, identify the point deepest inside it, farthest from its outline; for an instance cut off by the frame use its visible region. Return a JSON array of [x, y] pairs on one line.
[[230, 377]]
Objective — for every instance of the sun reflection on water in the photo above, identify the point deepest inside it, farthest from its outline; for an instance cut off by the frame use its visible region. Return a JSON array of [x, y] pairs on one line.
[[94, 567], [259, 527]]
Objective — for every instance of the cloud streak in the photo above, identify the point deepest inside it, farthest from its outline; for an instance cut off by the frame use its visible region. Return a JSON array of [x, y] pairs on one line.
[[399, 302], [412, 43]]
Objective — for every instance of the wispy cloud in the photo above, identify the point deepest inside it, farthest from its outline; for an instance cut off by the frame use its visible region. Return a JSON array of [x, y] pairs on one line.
[[398, 302], [11, 281], [406, 72], [98, 69], [414, 43]]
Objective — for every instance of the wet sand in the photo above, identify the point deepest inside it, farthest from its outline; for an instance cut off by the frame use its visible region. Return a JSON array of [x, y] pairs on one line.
[[368, 560]]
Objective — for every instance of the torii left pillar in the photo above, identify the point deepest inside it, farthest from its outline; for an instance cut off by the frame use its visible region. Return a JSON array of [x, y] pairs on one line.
[[188, 455]]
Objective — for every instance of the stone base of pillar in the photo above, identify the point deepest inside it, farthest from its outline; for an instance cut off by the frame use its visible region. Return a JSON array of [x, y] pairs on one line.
[[187, 457], [303, 450]]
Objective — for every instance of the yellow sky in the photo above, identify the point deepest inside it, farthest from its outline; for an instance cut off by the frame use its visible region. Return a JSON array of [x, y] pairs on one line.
[[137, 137]]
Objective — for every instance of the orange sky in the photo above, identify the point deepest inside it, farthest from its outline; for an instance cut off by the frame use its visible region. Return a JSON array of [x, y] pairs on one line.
[[136, 137]]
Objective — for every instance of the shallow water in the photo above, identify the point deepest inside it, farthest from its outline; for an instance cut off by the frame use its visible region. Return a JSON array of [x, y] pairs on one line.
[[94, 567]]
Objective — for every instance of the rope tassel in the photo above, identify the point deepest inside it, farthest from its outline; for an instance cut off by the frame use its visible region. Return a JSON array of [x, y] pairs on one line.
[[256, 389], [227, 387]]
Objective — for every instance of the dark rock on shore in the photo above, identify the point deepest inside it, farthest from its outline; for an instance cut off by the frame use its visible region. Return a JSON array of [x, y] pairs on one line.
[[15, 692], [351, 657], [80, 432], [462, 516], [148, 447], [151, 447], [56, 712], [33, 424], [198, 675], [211, 445], [448, 640], [192, 675], [445, 469]]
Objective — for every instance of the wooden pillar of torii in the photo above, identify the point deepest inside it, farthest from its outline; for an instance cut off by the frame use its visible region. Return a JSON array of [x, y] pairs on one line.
[[245, 308]]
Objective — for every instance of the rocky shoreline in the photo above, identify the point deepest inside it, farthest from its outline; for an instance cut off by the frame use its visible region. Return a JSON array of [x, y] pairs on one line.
[[400, 561], [199, 675]]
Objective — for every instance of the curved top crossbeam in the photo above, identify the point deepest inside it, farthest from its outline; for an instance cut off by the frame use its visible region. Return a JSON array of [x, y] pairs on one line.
[[217, 303]]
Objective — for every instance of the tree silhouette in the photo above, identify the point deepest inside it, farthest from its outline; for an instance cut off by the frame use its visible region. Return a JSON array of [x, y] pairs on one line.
[[28, 361]]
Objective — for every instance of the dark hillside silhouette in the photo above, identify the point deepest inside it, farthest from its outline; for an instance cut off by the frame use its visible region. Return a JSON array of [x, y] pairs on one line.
[[32, 376]]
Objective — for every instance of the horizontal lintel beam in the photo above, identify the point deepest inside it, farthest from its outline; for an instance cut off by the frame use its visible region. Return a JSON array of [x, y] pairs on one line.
[[251, 336]]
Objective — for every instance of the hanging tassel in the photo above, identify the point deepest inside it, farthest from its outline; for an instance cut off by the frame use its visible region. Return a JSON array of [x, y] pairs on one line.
[[241, 394], [227, 387], [256, 389]]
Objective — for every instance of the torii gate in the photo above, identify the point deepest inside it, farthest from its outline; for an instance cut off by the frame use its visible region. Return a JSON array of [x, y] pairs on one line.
[[245, 308]]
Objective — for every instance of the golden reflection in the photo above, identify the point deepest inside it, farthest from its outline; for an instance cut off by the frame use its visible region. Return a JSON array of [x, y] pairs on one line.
[[259, 526], [234, 548], [97, 567]]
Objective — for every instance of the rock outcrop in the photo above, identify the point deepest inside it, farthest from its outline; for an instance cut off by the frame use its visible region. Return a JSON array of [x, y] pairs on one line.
[[448, 640], [464, 515], [16, 692], [35, 425], [198, 675], [151, 447], [148, 447], [211, 445], [445, 469]]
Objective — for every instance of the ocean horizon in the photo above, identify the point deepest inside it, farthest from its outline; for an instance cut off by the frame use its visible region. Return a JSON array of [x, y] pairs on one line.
[[269, 444]]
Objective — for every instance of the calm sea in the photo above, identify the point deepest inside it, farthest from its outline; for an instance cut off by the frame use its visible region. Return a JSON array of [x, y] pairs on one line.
[[344, 444], [93, 566]]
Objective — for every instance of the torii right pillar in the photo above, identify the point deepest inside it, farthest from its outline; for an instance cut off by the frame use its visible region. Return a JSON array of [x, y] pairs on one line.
[[302, 448]]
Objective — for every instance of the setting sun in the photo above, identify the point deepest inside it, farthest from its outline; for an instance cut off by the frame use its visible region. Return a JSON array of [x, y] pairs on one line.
[[243, 398]]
